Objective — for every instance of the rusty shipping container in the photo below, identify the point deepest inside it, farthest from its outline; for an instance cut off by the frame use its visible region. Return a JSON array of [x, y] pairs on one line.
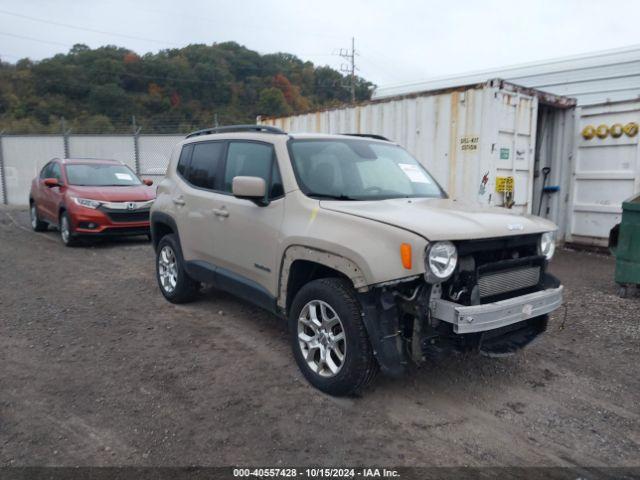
[[489, 143]]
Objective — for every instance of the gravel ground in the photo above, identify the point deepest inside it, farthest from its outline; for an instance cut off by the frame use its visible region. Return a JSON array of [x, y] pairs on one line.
[[98, 369]]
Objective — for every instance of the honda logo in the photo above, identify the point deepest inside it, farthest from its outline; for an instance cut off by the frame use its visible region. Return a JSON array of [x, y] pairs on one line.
[[131, 206]]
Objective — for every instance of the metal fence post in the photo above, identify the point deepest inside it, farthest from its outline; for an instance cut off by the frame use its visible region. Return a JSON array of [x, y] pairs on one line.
[[65, 137], [136, 149], [3, 173]]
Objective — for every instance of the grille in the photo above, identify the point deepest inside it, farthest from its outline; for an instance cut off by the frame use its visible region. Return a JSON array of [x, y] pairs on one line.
[[508, 280], [128, 216]]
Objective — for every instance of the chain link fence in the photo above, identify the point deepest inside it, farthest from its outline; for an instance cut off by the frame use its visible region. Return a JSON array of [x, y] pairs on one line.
[[22, 156]]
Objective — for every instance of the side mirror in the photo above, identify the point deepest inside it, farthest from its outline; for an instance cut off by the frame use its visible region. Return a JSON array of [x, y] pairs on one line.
[[147, 182], [52, 182], [251, 188]]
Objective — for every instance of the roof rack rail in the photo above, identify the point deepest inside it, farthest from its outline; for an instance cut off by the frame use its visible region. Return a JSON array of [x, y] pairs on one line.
[[238, 128], [367, 135]]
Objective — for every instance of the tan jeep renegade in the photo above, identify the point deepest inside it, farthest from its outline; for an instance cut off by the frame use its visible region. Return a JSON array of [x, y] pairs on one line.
[[351, 240]]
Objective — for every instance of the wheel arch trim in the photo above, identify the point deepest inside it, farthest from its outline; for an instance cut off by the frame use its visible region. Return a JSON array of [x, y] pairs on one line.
[[160, 218], [322, 257]]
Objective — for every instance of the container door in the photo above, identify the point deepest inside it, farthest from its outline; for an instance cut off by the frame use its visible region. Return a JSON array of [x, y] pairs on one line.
[[606, 170], [514, 151], [554, 152]]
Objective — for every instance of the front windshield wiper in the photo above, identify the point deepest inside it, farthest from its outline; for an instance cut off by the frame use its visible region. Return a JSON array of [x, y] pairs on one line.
[[330, 196]]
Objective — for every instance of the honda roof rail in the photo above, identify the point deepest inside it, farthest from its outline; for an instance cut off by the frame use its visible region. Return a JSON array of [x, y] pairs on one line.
[[367, 135], [238, 128]]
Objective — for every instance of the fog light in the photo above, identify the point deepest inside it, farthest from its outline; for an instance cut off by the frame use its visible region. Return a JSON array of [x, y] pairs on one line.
[[88, 225]]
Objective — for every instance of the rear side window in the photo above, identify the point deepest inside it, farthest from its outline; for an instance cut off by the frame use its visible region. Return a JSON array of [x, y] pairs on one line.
[[250, 159], [204, 165], [183, 162]]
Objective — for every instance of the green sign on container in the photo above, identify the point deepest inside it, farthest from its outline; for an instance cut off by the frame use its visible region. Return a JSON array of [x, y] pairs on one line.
[[504, 154]]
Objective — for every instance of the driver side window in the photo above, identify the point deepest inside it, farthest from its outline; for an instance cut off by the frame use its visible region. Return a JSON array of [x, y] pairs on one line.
[[44, 173], [253, 159], [54, 171]]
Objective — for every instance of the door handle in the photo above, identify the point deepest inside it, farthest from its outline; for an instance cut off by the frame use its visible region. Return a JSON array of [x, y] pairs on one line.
[[220, 212], [178, 200]]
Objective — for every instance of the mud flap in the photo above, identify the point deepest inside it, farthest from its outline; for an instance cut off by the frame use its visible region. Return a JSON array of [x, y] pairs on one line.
[[380, 316]]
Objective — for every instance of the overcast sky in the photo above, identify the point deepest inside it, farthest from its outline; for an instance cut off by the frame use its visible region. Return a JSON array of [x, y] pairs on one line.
[[398, 41]]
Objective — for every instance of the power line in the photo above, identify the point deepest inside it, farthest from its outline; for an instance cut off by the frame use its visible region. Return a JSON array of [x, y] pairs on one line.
[[242, 25], [49, 42], [379, 67], [10, 55], [76, 27]]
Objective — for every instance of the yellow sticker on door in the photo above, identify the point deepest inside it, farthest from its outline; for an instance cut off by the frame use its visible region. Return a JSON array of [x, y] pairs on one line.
[[504, 184]]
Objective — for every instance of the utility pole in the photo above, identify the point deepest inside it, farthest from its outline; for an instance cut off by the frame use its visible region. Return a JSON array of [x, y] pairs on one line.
[[136, 143], [350, 68], [65, 137]]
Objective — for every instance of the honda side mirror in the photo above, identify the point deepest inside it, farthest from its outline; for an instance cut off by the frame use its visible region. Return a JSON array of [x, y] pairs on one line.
[[52, 182]]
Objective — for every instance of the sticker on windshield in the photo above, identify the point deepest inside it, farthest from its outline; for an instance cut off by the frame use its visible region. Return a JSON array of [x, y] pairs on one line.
[[414, 173], [123, 176]]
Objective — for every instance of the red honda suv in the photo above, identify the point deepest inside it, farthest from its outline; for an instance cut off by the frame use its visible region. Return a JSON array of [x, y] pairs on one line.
[[90, 198]]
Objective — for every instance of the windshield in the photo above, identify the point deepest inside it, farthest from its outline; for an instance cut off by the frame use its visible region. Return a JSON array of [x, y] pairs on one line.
[[353, 169], [101, 175]]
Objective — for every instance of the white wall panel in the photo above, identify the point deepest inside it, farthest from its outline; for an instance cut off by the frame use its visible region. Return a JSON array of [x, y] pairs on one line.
[[115, 147], [155, 152], [24, 157]]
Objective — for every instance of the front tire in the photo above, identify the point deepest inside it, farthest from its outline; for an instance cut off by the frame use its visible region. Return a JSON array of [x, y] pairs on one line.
[[329, 339], [174, 282], [66, 232], [37, 224]]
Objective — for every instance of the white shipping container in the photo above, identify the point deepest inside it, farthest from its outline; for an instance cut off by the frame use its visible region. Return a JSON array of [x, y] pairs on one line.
[[606, 170], [471, 138]]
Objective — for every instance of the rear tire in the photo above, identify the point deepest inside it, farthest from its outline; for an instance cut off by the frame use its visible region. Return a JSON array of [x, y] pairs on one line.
[[37, 224], [325, 310], [67, 236], [174, 282]]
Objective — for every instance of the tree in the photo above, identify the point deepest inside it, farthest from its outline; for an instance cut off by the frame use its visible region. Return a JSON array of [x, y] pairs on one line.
[[178, 88], [273, 103]]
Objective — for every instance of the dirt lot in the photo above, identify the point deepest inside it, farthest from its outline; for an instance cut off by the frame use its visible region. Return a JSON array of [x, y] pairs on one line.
[[98, 369]]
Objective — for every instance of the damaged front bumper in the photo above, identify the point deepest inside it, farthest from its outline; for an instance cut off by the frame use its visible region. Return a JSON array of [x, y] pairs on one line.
[[411, 325], [490, 316]]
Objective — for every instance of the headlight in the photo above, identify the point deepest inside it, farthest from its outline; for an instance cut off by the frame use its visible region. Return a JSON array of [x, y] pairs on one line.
[[441, 260], [85, 202], [547, 244]]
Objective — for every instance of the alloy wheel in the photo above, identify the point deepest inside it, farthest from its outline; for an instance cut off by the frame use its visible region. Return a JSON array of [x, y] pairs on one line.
[[168, 269], [321, 337], [65, 232], [34, 216]]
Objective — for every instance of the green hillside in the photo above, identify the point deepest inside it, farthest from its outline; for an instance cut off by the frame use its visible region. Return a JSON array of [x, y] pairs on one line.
[[100, 90]]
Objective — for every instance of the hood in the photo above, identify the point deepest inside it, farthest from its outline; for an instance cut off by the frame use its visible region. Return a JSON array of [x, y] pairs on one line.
[[444, 219], [135, 193]]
